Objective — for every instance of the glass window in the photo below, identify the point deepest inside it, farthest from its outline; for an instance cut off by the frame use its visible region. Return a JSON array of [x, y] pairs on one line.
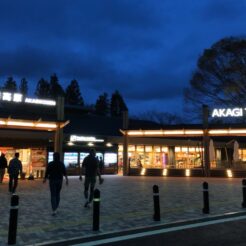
[[164, 149], [187, 157], [71, 159], [50, 156], [110, 159], [148, 148], [140, 148], [177, 149], [82, 156], [157, 148], [131, 148], [99, 155], [120, 148]]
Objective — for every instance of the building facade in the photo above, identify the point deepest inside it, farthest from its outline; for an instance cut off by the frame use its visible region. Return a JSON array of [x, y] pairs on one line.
[[36, 128]]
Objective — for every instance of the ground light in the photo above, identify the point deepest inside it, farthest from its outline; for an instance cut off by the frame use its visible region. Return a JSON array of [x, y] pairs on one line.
[[187, 172], [143, 171], [229, 173], [164, 172]]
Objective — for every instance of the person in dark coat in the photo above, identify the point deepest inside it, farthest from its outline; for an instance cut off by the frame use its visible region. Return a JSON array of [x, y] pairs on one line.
[[55, 172], [101, 165], [3, 165], [91, 170], [14, 169]]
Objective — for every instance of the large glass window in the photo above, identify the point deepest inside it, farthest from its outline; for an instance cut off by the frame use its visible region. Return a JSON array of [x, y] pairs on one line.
[[110, 159], [82, 156], [71, 159], [242, 154], [147, 156], [188, 157]]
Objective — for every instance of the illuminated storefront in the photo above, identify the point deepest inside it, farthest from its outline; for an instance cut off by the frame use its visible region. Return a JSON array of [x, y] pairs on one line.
[[77, 147], [28, 126], [180, 149], [34, 128], [155, 156]]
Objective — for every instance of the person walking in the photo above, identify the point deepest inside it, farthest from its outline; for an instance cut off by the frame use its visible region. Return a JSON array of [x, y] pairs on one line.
[[3, 165], [91, 170], [14, 169], [101, 165], [55, 172]]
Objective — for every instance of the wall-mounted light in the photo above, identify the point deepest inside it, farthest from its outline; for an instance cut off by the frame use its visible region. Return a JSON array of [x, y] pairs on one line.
[[229, 173], [109, 144], [70, 143], [187, 172], [164, 172], [90, 144], [143, 171]]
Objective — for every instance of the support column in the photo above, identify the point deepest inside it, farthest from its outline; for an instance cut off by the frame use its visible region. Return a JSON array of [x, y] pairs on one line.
[[171, 156], [206, 140], [59, 130], [126, 167]]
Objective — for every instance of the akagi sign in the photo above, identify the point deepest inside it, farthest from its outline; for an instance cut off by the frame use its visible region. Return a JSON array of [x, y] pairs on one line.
[[228, 112]]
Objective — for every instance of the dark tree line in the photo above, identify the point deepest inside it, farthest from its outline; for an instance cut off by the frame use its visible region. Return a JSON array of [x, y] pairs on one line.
[[52, 89]]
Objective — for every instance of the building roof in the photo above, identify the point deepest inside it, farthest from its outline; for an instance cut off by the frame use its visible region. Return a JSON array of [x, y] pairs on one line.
[[27, 111]]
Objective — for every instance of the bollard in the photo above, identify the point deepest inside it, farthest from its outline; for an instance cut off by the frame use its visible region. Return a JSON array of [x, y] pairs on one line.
[[96, 210], [156, 199], [205, 209], [244, 193], [13, 219]]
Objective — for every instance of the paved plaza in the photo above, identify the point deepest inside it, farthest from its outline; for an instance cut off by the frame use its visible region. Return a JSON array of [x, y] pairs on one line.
[[126, 203]]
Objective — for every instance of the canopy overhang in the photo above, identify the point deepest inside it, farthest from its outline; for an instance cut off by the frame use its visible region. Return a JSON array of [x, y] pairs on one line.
[[185, 132], [9, 123]]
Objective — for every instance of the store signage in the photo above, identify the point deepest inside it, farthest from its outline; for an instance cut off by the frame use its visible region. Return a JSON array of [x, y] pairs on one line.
[[76, 138], [18, 98], [228, 112]]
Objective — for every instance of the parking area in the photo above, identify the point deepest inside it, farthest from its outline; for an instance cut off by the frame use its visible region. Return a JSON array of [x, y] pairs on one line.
[[126, 203]]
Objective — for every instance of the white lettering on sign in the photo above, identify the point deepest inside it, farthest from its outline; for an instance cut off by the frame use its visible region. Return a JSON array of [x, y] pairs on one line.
[[228, 112], [40, 101], [75, 138], [18, 97], [7, 96]]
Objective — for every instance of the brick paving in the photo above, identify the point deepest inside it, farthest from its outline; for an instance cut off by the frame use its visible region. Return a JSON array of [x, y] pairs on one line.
[[126, 203]]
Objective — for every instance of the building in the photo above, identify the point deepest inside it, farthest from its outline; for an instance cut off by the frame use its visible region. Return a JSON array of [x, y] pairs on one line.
[[36, 128]]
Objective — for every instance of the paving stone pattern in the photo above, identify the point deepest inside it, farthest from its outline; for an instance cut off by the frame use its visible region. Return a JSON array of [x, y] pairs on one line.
[[126, 203]]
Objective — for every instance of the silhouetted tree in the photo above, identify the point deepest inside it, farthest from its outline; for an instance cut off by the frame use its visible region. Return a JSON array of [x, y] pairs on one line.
[[117, 104], [10, 85], [220, 78], [73, 95], [23, 88], [55, 88], [42, 89], [102, 105]]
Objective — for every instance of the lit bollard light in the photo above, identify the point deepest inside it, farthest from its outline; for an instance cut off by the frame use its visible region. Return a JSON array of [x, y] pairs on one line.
[[13, 220], [157, 216], [244, 193], [96, 210], [205, 209]]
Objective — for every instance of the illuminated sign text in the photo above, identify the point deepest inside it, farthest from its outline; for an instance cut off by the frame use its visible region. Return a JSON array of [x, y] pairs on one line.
[[228, 112], [18, 98], [75, 138]]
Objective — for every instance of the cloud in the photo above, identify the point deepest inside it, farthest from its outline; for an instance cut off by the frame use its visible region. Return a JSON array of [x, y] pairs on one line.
[[145, 49]]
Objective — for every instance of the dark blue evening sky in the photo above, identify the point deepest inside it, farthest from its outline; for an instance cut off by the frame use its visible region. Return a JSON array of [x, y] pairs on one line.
[[147, 49]]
